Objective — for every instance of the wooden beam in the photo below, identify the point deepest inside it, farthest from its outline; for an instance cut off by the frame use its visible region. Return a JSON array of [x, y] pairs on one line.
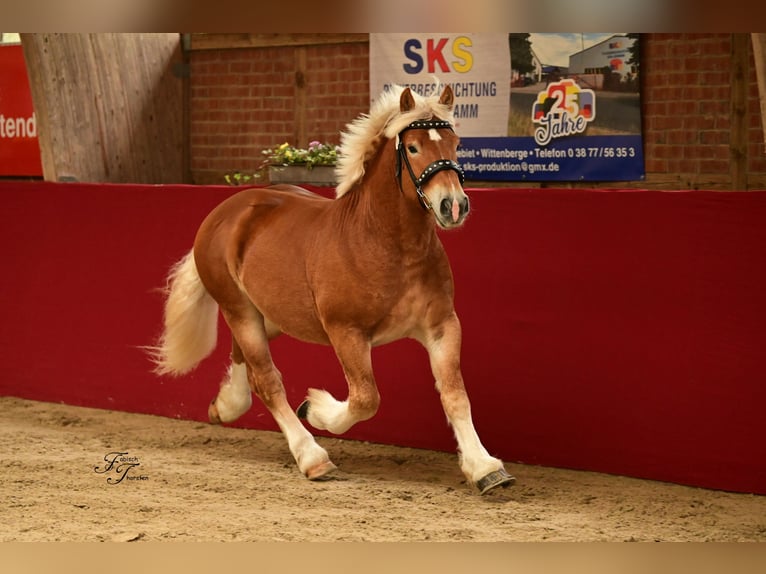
[[199, 41], [36, 71], [759, 53], [300, 137], [738, 111], [108, 106]]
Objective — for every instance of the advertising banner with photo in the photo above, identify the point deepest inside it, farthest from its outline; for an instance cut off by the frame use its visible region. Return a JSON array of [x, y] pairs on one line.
[[528, 107]]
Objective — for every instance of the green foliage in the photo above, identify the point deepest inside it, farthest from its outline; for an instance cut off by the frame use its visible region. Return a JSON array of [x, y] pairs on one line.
[[239, 178], [635, 51], [316, 154], [521, 53]]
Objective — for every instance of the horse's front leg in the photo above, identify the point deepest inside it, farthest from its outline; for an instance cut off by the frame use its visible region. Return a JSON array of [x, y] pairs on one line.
[[443, 345], [322, 410]]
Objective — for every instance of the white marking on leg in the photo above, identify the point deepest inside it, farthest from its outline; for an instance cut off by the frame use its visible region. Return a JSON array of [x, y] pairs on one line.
[[328, 413], [475, 461], [312, 460], [234, 397]]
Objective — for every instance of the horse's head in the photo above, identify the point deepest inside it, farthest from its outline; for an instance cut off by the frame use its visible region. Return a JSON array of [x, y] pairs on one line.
[[427, 163]]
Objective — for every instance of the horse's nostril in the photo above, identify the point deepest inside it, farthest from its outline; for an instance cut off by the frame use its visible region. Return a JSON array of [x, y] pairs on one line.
[[445, 207], [465, 206]]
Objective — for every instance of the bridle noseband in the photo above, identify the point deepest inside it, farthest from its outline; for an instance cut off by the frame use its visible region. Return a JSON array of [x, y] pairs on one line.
[[431, 169]]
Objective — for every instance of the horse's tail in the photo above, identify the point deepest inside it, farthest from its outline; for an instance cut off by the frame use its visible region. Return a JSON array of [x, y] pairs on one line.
[[191, 321]]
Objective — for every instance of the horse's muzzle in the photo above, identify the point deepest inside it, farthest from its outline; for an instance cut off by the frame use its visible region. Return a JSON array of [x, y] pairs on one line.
[[451, 209]]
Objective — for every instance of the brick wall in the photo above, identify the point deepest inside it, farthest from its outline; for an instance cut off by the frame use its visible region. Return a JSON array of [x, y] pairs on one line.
[[337, 89], [246, 99], [239, 99], [687, 94]]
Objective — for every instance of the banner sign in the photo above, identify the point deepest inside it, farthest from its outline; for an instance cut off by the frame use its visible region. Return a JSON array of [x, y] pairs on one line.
[[576, 158], [529, 107], [19, 147], [476, 66]]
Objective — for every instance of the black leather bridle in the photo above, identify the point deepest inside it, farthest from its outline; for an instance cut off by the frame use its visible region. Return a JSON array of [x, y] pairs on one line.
[[431, 169]]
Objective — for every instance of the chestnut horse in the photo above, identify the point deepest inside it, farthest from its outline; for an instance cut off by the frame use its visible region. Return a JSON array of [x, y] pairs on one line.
[[360, 270]]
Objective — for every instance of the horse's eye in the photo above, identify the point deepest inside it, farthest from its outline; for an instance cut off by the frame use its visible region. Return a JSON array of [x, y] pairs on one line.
[[412, 149]]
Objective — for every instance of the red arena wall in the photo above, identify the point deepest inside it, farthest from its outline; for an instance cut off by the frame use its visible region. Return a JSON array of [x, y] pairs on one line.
[[616, 331]]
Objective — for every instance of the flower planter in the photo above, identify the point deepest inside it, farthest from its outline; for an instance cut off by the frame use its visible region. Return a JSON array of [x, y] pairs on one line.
[[322, 175]]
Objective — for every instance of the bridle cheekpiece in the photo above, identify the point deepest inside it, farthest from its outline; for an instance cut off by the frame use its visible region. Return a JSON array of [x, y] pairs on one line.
[[431, 169]]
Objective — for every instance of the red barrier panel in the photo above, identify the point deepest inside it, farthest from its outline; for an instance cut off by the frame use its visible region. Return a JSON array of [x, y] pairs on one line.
[[617, 331]]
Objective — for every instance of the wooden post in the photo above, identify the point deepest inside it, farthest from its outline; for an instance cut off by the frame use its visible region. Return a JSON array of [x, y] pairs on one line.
[[759, 53], [738, 111], [109, 106], [300, 136]]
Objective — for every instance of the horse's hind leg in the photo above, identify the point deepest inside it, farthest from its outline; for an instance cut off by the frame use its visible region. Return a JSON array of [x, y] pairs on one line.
[[235, 396], [266, 381]]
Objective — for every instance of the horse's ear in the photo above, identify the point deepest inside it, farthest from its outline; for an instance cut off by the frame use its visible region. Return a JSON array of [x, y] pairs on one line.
[[447, 98], [406, 101]]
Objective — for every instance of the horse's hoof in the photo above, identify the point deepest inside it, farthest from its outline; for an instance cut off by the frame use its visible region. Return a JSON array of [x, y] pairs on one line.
[[212, 413], [495, 479], [303, 410], [321, 470]]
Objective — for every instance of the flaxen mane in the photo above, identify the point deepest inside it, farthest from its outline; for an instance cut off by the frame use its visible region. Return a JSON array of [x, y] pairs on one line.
[[362, 137]]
